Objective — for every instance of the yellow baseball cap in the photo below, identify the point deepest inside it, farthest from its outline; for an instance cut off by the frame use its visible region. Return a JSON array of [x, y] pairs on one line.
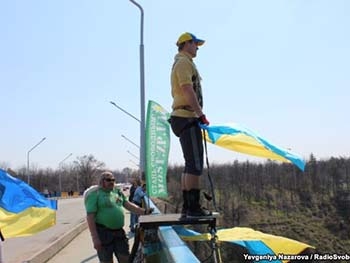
[[188, 36]]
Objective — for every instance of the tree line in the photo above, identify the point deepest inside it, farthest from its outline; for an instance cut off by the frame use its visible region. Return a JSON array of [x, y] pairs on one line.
[[75, 177], [277, 184], [311, 206], [277, 198]]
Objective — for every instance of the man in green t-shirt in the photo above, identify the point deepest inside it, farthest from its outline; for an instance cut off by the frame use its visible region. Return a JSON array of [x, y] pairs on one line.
[[105, 216]]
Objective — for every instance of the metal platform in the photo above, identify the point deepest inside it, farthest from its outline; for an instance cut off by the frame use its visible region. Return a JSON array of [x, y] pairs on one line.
[[153, 221]]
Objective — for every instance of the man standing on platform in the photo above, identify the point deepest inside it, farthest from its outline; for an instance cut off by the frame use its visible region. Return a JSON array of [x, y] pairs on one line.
[[186, 115]]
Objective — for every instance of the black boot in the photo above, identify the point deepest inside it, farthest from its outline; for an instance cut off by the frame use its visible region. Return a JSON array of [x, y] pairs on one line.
[[184, 204], [194, 208]]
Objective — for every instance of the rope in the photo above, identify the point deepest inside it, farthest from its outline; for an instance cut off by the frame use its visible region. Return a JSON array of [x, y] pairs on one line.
[[209, 177], [212, 228]]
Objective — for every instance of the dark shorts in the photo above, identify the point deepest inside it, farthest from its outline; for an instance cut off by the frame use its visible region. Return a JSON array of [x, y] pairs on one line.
[[190, 134], [113, 241]]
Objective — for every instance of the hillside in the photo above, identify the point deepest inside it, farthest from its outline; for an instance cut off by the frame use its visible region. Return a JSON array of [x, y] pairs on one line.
[[327, 232], [312, 206]]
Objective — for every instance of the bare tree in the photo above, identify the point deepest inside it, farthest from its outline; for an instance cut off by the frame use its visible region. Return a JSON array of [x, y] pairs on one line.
[[4, 165], [87, 168]]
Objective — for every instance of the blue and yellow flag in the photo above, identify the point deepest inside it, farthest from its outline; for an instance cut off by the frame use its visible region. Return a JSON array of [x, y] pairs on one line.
[[23, 211], [261, 247], [237, 138]]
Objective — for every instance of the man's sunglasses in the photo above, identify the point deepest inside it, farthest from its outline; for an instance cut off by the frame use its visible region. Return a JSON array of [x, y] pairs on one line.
[[109, 179]]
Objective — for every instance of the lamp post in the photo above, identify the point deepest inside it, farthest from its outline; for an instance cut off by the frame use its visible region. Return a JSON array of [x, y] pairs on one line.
[[36, 145], [142, 94], [60, 175]]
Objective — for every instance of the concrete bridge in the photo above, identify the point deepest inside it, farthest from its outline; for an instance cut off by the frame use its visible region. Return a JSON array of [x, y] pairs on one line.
[[69, 240]]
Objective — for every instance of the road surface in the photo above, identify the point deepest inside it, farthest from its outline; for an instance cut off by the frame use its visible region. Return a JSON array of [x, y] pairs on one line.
[[81, 248], [70, 227], [70, 214]]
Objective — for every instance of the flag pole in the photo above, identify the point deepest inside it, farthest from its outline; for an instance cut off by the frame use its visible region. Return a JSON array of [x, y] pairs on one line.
[[2, 240]]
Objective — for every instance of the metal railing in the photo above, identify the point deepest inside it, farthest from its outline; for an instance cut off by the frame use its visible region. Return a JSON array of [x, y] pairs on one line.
[[162, 244]]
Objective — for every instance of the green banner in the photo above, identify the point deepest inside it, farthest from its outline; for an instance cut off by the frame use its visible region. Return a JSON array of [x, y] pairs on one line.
[[157, 149]]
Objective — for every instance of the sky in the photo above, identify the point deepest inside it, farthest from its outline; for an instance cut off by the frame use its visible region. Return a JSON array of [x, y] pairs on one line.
[[278, 67]]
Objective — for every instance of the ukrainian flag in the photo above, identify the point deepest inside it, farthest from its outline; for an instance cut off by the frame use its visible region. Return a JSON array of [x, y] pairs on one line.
[[238, 138], [23, 211], [258, 244]]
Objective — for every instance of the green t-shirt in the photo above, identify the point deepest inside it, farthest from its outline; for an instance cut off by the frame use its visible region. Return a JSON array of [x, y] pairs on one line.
[[108, 207]]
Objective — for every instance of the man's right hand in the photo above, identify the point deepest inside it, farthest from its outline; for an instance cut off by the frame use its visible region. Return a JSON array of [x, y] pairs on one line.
[[97, 243], [203, 120]]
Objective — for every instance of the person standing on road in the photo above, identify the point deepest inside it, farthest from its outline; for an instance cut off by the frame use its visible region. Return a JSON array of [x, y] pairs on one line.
[[185, 118], [133, 216], [138, 198], [105, 217]]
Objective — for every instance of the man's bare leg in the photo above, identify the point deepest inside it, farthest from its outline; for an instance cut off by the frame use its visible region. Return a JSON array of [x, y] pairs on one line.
[[191, 181]]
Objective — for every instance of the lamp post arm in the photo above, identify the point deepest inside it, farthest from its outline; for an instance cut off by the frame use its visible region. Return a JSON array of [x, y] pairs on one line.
[[141, 10], [120, 108], [133, 155], [69, 155], [130, 141], [36, 145]]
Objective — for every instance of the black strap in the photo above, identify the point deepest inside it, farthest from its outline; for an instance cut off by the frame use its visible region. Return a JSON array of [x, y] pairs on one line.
[[1, 236], [209, 177]]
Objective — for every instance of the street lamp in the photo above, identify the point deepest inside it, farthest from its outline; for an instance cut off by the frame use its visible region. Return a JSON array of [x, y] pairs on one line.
[[132, 116], [142, 94], [120, 108], [69, 155], [134, 155], [60, 175], [36, 145], [126, 138], [134, 163]]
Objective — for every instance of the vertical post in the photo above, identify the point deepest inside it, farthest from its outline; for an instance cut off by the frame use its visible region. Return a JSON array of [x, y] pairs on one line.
[[2, 239], [78, 184], [1, 257], [60, 175], [142, 95], [28, 173]]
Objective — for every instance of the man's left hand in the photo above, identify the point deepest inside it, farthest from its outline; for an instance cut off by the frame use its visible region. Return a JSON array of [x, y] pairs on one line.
[[203, 120], [149, 211]]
